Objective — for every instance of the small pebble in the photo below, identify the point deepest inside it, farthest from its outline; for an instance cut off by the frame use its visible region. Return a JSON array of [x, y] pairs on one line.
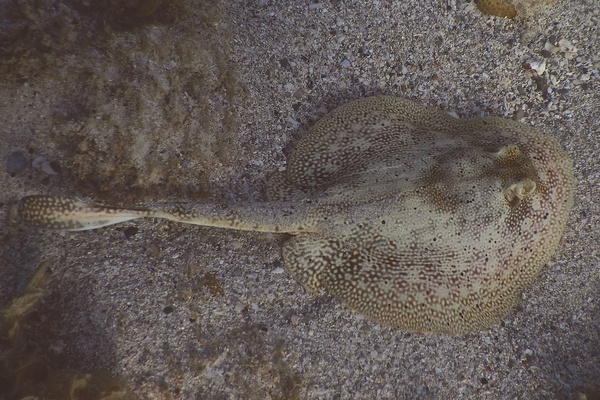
[[289, 87], [284, 63], [566, 45], [239, 307], [16, 162], [48, 167], [550, 48], [541, 83], [519, 115], [51, 168], [345, 64], [129, 232], [37, 162], [295, 124], [538, 66]]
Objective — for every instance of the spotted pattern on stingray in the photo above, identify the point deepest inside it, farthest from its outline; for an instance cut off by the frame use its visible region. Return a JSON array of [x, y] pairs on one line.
[[439, 224], [498, 8], [412, 217]]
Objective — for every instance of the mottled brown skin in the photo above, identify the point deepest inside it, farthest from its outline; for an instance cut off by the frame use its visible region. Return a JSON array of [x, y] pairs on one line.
[[415, 219], [498, 8]]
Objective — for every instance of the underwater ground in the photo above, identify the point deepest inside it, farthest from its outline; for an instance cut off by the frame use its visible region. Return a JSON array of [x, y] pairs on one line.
[[138, 101]]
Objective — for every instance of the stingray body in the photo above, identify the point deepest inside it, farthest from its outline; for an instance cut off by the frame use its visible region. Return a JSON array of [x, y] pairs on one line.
[[412, 217]]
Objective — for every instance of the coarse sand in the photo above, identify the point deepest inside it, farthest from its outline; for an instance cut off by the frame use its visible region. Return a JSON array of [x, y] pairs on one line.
[[205, 100]]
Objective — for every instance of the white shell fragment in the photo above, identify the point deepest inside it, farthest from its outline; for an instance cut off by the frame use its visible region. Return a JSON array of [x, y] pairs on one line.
[[538, 66]]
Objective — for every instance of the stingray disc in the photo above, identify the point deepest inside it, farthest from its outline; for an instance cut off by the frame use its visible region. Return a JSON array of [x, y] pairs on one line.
[[424, 221]]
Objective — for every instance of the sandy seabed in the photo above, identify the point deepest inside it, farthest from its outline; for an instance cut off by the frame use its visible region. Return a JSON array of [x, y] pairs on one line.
[[204, 100]]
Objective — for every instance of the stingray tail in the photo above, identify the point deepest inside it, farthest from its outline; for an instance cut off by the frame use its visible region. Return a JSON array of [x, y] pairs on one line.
[[60, 213]]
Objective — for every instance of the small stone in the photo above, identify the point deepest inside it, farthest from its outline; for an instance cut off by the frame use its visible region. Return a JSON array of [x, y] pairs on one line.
[[236, 244], [289, 87], [129, 232], [541, 83], [51, 168], [538, 66], [345, 64], [170, 65], [16, 162], [566, 45], [48, 167], [295, 124], [299, 93], [37, 162], [519, 115], [239, 307], [567, 48], [284, 63], [526, 356], [549, 47]]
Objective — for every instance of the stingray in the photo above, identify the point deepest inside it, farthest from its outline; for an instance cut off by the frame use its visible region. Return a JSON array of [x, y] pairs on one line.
[[410, 216]]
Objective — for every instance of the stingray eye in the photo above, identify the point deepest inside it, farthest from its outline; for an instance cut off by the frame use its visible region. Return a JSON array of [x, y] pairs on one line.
[[518, 191], [509, 152]]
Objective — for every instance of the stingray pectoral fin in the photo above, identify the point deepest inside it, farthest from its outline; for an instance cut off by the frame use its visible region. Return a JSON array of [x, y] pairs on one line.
[[61, 213], [308, 259]]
